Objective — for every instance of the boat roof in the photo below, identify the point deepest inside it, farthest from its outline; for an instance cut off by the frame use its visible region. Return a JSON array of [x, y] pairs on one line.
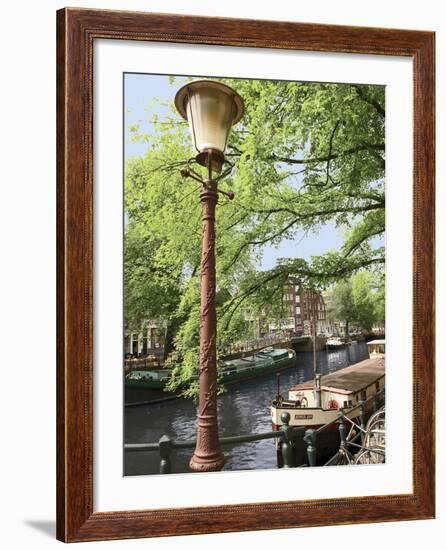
[[350, 379], [151, 371], [376, 342], [258, 356], [239, 361], [277, 351]]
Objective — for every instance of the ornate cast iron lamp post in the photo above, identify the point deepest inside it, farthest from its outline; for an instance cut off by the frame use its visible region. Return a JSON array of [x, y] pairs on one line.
[[211, 108]]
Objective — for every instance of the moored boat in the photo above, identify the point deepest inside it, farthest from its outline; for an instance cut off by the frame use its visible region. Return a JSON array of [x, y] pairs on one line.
[[315, 403], [261, 363], [264, 362], [148, 379], [334, 343], [318, 401]]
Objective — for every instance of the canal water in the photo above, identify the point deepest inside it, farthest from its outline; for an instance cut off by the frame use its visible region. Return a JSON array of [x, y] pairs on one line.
[[242, 409]]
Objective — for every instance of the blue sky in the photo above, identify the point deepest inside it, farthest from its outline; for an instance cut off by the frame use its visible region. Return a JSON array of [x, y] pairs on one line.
[[139, 91]]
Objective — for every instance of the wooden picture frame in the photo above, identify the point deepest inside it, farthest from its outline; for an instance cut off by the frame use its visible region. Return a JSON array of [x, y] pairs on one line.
[[76, 31]]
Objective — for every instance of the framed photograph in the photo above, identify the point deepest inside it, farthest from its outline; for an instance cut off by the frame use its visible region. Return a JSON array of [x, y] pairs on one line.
[[245, 275]]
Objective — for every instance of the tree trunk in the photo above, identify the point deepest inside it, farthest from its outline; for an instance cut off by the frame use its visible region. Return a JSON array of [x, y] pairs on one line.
[[168, 344]]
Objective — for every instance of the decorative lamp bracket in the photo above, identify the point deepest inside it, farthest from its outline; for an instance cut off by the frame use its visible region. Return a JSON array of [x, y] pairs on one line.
[[189, 172]]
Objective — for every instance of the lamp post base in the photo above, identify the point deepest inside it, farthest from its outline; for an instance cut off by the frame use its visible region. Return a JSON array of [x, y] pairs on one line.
[[208, 456], [207, 463]]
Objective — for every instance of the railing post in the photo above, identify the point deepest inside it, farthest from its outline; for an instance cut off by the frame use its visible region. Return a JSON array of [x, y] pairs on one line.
[[310, 440], [165, 446], [286, 447], [342, 430], [362, 420]]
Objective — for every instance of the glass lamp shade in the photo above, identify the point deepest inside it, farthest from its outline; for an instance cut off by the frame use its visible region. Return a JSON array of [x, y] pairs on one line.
[[211, 109]]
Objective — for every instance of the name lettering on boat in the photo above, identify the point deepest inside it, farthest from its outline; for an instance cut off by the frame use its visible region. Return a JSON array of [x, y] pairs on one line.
[[303, 416]]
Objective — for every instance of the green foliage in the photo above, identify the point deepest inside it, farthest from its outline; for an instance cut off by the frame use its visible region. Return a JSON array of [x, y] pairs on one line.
[[304, 154], [151, 289], [342, 306], [359, 300], [363, 298]]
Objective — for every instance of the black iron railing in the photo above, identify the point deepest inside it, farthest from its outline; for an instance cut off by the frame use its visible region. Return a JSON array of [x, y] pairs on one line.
[[166, 445], [287, 437], [345, 443]]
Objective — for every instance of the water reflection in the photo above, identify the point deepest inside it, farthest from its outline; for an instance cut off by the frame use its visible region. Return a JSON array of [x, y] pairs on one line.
[[243, 409]]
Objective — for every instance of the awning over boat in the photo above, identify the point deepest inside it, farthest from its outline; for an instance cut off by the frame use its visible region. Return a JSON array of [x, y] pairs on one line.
[[351, 379]]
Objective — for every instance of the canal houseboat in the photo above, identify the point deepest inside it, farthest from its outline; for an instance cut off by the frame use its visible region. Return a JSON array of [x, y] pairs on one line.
[[334, 343], [317, 402], [261, 363], [148, 379]]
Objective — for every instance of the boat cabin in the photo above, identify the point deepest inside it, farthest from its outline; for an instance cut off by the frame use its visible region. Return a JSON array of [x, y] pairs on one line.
[[317, 402], [376, 348], [156, 375], [342, 389], [243, 364]]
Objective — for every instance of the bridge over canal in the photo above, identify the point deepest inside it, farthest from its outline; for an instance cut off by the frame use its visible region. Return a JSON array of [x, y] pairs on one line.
[[297, 343]]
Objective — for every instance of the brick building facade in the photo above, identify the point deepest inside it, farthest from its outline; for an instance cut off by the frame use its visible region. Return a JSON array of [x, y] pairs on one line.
[[299, 306]]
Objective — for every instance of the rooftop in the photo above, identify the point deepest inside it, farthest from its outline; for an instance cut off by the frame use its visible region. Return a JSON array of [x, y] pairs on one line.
[[350, 379]]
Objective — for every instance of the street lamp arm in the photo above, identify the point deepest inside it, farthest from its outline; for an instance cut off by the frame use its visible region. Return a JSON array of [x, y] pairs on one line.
[[189, 172]]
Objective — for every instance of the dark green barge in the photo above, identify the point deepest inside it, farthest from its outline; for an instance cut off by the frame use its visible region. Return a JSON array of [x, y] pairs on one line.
[[261, 363]]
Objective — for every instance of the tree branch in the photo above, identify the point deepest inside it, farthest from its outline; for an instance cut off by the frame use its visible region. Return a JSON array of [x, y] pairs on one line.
[[317, 213], [361, 240], [308, 273], [379, 108], [351, 151], [299, 217], [330, 149]]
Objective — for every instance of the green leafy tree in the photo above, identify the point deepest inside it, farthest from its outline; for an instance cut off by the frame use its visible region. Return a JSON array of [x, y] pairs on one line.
[[303, 155], [363, 290], [359, 300], [342, 306]]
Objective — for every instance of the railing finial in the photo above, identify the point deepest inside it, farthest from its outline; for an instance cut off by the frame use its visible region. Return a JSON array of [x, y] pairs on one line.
[[165, 446]]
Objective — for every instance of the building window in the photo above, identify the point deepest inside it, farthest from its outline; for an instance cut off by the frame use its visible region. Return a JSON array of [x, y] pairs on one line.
[[363, 395]]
